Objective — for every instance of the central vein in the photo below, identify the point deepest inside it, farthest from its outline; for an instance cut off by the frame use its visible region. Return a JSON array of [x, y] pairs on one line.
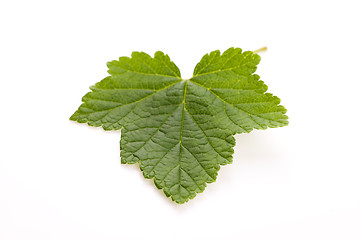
[[181, 133]]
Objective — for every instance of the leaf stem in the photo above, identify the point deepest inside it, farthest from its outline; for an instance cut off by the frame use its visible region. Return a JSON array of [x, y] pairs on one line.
[[260, 50]]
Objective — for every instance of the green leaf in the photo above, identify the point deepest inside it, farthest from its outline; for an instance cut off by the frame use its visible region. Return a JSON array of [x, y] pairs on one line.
[[181, 131]]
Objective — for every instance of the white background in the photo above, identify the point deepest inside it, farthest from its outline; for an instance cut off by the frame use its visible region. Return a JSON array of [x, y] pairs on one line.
[[63, 180]]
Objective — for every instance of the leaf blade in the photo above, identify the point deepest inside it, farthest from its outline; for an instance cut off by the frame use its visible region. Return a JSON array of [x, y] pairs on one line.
[[181, 131]]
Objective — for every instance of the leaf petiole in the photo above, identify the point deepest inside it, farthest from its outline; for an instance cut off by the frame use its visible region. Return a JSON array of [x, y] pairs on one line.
[[260, 50]]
